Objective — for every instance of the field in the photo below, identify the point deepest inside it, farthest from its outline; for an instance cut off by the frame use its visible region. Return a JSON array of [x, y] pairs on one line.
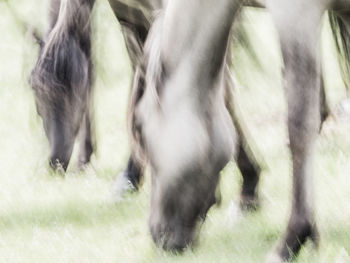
[[48, 218]]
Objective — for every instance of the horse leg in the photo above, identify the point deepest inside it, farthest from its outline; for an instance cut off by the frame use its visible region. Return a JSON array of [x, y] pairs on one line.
[[298, 28], [323, 102], [248, 165], [250, 171], [324, 109], [129, 180], [134, 37], [246, 159], [86, 144]]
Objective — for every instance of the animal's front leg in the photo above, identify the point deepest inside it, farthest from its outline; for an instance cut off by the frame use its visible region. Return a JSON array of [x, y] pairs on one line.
[[298, 28], [324, 110], [128, 180], [87, 142], [246, 159]]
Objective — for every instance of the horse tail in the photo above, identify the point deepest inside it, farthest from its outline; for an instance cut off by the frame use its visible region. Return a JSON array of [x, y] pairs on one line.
[[341, 37], [65, 63]]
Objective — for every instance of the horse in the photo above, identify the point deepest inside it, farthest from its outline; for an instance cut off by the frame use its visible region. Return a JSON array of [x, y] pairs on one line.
[[62, 80], [181, 121], [62, 76], [184, 128], [136, 20], [298, 26], [180, 117]]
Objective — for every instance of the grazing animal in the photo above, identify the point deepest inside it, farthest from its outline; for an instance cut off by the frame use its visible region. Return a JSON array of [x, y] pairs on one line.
[[180, 112], [62, 78], [136, 19], [181, 122], [183, 127], [180, 116]]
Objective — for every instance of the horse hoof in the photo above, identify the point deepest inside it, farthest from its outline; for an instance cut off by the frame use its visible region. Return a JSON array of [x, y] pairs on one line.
[[122, 187], [83, 166], [249, 203]]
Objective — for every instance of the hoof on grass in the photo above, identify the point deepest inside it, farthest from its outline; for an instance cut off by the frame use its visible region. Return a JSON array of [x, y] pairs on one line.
[[249, 204], [122, 187]]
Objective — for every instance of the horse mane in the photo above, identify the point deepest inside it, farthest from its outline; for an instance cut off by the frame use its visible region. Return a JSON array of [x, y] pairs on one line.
[[64, 62], [148, 79], [148, 75]]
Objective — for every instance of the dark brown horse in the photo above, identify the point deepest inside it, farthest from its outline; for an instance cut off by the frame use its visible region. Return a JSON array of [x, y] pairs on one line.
[[62, 79]]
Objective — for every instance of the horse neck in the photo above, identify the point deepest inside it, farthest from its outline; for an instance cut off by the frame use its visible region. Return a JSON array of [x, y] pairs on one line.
[[72, 16], [197, 41], [71, 19]]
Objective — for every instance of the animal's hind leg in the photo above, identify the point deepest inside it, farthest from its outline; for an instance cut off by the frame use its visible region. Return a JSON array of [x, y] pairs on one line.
[[246, 159], [324, 109], [134, 172], [299, 42], [248, 165], [129, 180], [86, 144], [134, 39], [250, 171]]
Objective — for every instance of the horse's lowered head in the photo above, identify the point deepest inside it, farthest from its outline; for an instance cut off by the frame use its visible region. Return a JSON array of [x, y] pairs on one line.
[[187, 135], [61, 78], [187, 147]]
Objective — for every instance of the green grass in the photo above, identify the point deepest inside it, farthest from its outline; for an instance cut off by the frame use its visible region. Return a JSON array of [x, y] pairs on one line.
[[46, 218]]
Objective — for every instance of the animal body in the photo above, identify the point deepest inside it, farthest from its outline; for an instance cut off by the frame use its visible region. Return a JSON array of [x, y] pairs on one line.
[[184, 127], [180, 117], [62, 79]]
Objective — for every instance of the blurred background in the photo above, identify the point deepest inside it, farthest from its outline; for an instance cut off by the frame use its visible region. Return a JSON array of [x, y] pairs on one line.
[[47, 218]]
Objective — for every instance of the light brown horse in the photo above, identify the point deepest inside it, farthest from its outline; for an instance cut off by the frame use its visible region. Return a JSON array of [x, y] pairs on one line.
[[183, 101], [180, 115]]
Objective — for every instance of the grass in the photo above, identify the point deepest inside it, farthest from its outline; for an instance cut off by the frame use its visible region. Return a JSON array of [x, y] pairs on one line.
[[45, 218]]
